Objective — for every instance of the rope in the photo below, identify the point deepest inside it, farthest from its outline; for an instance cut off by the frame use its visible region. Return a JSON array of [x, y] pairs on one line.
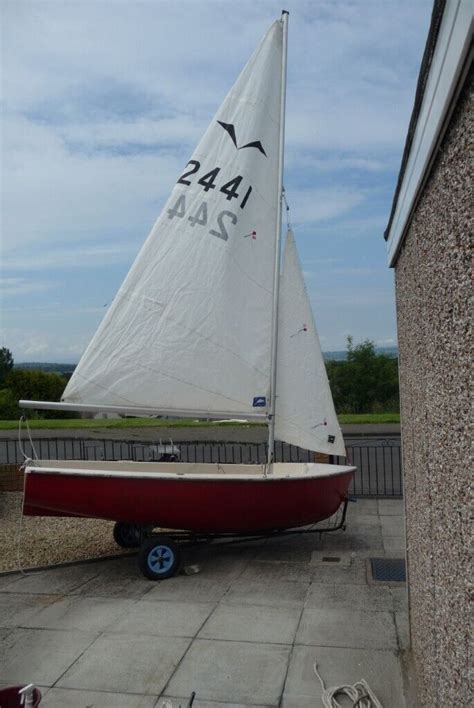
[[360, 694], [20, 444], [26, 460]]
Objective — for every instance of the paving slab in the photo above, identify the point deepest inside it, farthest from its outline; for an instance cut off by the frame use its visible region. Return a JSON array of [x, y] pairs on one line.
[[350, 597], [126, 664], [363, 522], [403, 630], [110, 584], [73, 698], [362, 542], [15, 610], [400, 597], [183, 701], [239, 672], [286, 552], [220, 563], [88, 614], [266, 571], [362, 516], [257, 592], [392, 525], [188, 588], [271, 625], [40, 656], [6, 580], [394, 546], [353, 574], [172, 619], [332, 559], [389, 507], [55, 581], [347, 628], [362, 506], [341, 666]]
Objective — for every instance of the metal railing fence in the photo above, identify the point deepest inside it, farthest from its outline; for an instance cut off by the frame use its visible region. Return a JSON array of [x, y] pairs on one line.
[[378, 461]]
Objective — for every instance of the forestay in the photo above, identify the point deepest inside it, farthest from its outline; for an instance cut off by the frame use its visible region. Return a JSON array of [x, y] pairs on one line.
[[305, 414], [190, 328]]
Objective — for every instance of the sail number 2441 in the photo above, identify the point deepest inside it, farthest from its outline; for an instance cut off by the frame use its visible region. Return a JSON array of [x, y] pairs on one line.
[[208, 182]]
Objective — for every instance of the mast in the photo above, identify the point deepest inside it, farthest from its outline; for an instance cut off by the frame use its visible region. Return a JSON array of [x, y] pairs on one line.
[[276, 274]]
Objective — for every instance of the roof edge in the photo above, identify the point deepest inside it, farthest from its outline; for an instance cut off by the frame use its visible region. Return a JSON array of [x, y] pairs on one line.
[[433, 32], [444, 68]]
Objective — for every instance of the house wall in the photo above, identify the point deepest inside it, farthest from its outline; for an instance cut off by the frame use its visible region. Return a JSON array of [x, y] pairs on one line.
[[433, 288]]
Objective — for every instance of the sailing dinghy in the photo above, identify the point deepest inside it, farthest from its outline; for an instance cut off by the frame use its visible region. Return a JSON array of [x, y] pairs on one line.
[[207, 324]]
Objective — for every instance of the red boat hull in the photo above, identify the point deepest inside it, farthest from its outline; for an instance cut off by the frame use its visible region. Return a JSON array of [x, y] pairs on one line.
[[208, 505]]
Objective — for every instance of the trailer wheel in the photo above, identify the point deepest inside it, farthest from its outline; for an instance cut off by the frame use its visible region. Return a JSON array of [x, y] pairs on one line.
[[159, 558], [128, 535]]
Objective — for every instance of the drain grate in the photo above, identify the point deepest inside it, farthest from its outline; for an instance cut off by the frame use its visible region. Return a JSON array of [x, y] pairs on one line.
[[389, 569]]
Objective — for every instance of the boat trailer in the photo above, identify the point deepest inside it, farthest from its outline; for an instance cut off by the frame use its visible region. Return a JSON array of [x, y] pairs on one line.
[[160, 554]]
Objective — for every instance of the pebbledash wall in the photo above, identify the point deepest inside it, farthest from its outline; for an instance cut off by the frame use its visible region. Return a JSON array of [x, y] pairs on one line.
[[432, 254]]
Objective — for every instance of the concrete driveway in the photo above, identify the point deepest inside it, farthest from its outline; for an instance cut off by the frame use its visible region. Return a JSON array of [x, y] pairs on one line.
[[244, 631]]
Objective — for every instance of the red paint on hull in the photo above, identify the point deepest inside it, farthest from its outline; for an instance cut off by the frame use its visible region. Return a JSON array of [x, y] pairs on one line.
[[208, 506]]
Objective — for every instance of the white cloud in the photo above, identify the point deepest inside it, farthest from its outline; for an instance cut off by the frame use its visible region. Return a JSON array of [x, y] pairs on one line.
[[314, 205], [75, 256], [21, 286], [105, 99], [37, 345]]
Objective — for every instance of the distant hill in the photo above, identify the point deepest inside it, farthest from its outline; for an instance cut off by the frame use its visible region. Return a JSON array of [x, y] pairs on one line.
[[342, 355], [69, 368], [51, 368]]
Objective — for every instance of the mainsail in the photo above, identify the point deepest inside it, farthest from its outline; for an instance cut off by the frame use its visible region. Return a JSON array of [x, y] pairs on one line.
[[305, 414], [190, 328]]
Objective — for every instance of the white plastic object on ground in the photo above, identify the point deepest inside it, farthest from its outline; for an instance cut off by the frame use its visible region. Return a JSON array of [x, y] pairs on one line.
[[360, 694]]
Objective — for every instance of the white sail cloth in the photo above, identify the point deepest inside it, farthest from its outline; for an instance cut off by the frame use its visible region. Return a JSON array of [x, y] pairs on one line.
[[305, 414], [190, 327]]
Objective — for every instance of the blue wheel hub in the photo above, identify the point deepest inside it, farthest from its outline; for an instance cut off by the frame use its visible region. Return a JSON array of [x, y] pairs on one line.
[[160, 559]]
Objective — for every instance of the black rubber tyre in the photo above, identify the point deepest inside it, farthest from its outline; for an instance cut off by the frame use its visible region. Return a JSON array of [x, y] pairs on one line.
[[159, 558], [127, 535]]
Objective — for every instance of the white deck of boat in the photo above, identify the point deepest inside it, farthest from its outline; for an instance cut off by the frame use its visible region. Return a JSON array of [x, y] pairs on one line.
[[186, 470]]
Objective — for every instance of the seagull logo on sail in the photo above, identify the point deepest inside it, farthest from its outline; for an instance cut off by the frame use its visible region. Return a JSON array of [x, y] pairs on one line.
[[229, 128]]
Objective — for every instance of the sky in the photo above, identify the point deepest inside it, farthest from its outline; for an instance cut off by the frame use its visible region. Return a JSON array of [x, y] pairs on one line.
[[103, 102]]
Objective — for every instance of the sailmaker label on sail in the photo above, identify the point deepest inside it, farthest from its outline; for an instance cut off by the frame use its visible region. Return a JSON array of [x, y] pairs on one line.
[[259, 402]]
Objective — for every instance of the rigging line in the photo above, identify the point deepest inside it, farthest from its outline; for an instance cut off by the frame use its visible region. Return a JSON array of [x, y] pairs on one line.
[[20, 518], [20, 444]]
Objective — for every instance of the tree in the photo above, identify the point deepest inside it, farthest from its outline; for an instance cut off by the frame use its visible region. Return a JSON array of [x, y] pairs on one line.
[[6, 363], [365, 382], [37, 386]]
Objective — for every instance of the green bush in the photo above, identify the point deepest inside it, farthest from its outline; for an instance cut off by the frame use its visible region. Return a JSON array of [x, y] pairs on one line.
[[366, 382], [8, 405], [38, 386]]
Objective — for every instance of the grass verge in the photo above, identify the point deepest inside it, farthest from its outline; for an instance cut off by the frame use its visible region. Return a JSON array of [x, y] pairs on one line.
[[114, 423]]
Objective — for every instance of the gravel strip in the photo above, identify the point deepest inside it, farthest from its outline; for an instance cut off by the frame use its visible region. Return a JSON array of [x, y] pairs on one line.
[[48, 540]]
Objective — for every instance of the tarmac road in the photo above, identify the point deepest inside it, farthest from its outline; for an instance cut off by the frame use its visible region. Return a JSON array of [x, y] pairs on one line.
[[241, 433]]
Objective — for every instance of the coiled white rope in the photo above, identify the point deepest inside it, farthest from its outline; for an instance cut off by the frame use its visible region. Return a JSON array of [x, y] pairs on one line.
[[360, 694]]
